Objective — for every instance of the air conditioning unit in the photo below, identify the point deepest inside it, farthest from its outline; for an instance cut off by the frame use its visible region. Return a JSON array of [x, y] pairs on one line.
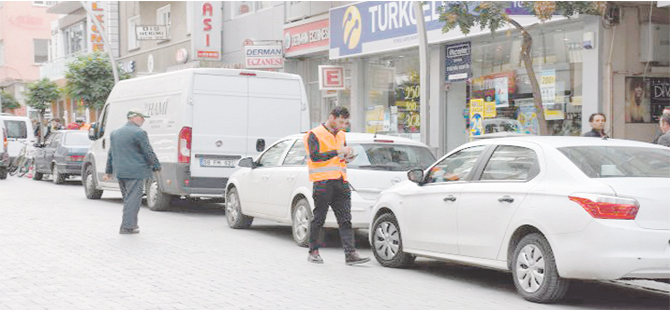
[[655, 43]]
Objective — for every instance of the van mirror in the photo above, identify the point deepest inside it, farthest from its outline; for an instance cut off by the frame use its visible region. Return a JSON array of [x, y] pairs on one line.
[[415, 175], [260, 145], [91, 132], [247, 162]]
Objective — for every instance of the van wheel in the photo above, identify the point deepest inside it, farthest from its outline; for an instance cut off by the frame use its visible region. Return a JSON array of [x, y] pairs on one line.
[[157, 200], [234, 215], [387, 243], [37, 176], [89, 184], [56, 176], [3, 173], [302, 216], [534, 271]]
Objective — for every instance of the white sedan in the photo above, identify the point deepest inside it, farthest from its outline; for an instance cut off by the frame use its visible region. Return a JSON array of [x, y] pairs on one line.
[[276, 186], [548, 209]]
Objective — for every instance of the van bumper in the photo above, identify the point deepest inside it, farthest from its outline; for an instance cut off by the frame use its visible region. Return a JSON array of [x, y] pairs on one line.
[[176, 180]]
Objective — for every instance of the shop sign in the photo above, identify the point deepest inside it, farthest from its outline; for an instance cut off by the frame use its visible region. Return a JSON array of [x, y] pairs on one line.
[[181, 55], [97, 43], [458, 61], [263, 57], [379, 26], [660, 96], [306, 38], [331, 77], [207, 30], [157, 32], [476, 117]]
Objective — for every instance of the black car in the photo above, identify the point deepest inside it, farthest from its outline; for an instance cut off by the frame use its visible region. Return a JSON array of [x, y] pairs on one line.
[[61, 155]]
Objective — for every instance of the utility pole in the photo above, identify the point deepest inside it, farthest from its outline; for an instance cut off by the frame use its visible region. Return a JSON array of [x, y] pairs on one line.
[[108, 47], [424, 71]]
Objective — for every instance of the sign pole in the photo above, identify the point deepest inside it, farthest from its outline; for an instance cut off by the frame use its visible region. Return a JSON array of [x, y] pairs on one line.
[[424, 71], [104, 39]]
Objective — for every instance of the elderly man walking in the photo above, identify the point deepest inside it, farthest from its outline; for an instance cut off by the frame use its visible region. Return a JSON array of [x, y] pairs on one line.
[[132, 160]]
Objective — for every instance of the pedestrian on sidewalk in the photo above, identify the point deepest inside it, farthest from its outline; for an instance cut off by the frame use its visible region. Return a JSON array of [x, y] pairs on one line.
[[327, 164], [597, 122], [664, 124], [131, 159]]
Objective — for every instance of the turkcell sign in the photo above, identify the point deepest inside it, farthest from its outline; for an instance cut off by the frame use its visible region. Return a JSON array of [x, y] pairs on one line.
[[458, 61], [379, 26], [263, 57]]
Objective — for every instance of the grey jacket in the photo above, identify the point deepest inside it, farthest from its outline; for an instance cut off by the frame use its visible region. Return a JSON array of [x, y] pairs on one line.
[[664, 139], [130, 154]]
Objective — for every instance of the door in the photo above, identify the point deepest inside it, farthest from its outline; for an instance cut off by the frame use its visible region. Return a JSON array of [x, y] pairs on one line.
[[260, 182], [39, 154], [487, 205], [50, 149], [100, 148], [431, 211], [219, 124], [284, 177]]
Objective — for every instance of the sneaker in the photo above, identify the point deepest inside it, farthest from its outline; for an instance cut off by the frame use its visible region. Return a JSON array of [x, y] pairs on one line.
[[125, 231], [355, 259], [314, 257]]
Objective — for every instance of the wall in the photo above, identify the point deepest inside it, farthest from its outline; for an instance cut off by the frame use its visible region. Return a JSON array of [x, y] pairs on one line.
[[262, 25]]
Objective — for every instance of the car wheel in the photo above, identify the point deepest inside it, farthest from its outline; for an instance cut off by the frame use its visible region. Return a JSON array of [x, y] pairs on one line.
[[156, 199], [3, 173], [301, 218], [234, 215], [89, 184], [37, 176], [387, 243], [56, 176], [534, 270]]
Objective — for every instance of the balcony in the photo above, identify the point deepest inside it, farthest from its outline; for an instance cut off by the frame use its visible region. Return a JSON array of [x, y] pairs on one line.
[[55, 69]]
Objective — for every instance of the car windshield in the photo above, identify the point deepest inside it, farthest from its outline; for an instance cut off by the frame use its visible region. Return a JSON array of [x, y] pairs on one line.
[[77, 138], [620, 162], [391, 157]]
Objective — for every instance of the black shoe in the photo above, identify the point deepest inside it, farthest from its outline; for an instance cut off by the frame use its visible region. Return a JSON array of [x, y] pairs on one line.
[[125, 231], [314, 257], [355, 259]]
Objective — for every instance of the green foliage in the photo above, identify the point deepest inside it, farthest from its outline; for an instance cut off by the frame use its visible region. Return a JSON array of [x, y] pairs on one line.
[[90, 78], [40, 94], [8, 101]]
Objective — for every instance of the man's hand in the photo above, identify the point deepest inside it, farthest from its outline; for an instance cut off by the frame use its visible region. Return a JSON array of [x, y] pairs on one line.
[[106, 177], [344, 152]]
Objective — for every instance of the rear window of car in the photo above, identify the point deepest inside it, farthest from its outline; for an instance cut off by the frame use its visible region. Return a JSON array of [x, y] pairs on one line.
[[16, 129], [390, 157], [79, 138], [620, 162]]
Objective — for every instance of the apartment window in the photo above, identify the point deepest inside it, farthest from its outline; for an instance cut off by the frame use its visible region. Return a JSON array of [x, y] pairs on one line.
[[133, 43], [163, 18], [267, 4], [242, 7], [41, 49], [74, 38], [2, 53]]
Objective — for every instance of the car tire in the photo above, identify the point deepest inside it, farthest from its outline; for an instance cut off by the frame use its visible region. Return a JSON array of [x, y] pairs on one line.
[[234, 215], [301, 217], [37, 176], [88, 180], [387, 243], [534, 271], [3, 173], [56, 176], [156, 199]]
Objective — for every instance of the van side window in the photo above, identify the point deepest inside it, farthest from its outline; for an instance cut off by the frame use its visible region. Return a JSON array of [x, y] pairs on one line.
[[297, 155]]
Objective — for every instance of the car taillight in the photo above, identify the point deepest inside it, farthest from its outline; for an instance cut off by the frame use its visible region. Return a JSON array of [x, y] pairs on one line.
[[383, 141], [184, 147], [608, 207], [75, 158], [247, 73], [5, 143]]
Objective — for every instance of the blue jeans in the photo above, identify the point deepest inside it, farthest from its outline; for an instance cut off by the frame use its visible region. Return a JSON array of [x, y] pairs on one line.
[[131, 189]]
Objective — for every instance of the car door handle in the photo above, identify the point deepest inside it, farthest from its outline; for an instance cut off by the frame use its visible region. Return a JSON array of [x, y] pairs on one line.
[[290, 177], [506, 199], [450, 198]]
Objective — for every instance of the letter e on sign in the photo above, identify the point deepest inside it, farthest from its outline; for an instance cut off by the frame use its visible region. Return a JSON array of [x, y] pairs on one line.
[[331, 77]]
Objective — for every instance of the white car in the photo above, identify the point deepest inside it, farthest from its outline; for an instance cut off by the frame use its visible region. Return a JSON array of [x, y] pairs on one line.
[[276, 186], [548, 209]]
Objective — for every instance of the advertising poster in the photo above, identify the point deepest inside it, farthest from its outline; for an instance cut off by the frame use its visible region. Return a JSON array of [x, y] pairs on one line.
[[660, 96], [502, 94], [638, 105], [458, 61], [476, 117], [374, 119], [527, 116], [489, 109], [552, 110]]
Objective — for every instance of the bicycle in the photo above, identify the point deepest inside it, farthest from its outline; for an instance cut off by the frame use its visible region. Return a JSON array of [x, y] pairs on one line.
[[21, 165]]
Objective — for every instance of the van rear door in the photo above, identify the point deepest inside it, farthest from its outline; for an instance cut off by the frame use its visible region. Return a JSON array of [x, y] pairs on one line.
[[219, 124]]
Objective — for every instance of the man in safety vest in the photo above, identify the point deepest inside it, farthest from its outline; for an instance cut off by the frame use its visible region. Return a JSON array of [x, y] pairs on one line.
[[327, 166]]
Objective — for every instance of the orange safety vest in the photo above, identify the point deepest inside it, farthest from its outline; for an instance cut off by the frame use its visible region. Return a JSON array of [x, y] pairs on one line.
[[333, 168]]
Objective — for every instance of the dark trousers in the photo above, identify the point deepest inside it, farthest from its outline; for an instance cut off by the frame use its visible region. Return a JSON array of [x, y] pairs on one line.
[[132, 198], [337, 195]]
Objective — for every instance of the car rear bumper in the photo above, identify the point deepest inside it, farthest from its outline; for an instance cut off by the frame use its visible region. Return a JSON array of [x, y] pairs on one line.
[[361, 210], [613, 249], [70, 168], [176, 180]]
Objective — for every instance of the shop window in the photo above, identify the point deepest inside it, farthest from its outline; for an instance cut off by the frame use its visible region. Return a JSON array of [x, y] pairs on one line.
[[133, 43], [41, 50]]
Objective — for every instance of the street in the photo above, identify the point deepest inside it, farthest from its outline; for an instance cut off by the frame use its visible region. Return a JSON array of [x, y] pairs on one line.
[[62, 251]]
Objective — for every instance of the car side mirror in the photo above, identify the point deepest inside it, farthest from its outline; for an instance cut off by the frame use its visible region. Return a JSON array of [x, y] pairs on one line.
[[415, 175], [260, 145], [91, 132], [39, 145], [247, 162]]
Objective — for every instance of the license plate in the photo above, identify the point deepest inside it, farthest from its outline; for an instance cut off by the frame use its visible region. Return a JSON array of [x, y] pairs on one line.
[[211, 162]]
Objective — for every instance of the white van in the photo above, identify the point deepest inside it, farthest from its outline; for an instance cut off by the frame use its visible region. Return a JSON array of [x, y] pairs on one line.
[[19, 132], [4, 156], [202, 121]]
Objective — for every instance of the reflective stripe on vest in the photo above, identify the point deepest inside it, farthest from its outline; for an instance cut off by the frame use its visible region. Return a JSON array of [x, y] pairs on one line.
[[333, 168]]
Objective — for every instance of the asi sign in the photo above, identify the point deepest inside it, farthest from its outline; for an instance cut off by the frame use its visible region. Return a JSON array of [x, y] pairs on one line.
[[158, 32], [331, 77], [263, 57], [207, 30]]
